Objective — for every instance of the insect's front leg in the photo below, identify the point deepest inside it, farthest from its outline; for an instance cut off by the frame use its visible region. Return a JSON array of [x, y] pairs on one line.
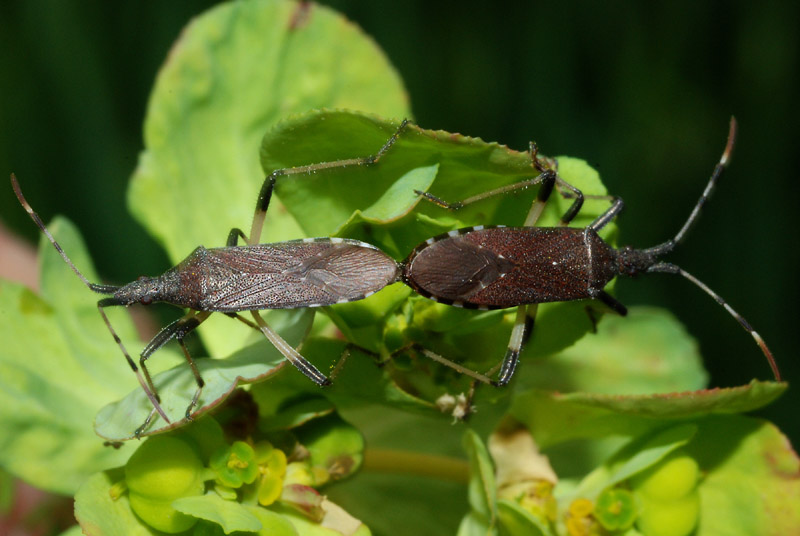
[[178, 329]]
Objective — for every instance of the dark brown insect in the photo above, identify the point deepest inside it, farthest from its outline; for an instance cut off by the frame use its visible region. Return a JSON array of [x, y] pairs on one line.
[[502, 267]]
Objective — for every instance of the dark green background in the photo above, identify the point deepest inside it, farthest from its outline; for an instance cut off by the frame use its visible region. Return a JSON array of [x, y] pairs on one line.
[[641, 91]]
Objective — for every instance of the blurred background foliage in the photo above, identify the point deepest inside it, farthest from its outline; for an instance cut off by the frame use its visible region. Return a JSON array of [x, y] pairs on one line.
[[642, 91]]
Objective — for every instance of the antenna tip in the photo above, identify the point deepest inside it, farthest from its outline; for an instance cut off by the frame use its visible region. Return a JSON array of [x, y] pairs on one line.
[[772, 363], [728, 153]]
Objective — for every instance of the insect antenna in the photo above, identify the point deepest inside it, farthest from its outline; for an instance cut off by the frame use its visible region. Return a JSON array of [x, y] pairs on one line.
[[100, 289], [673, 269], [669, 245]]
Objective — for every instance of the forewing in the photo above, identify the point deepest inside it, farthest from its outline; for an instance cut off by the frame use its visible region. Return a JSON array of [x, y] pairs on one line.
[[297, 274]]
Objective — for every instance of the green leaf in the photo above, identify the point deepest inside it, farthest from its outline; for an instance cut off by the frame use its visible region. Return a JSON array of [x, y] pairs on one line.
[[74, 530], [117, 421], [272, 523], [596, 416], [234, 71], [409, 472], [58, 364], [334, 445], [473, 524], [647, 351], [517, 521], [99, 514], [357, 382], [399, 198], [482, 487], [751, 483], [294, 413], [635, 457], [327, 199], [230, 515]]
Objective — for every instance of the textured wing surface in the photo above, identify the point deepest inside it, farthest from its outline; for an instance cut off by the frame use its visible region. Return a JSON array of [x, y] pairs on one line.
[[295, 274]]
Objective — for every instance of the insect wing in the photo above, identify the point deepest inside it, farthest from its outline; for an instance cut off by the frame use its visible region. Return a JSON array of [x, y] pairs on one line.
[[302, 273]]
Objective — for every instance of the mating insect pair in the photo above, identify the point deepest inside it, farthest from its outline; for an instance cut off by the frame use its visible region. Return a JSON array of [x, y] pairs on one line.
[[486, 268]]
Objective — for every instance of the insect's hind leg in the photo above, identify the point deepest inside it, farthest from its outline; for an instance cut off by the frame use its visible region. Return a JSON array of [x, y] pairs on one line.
[[293, 356], [265, 194]]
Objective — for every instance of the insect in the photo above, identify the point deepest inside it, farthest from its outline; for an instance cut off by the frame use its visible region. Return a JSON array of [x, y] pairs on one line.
[[503, 267], [311, 272]]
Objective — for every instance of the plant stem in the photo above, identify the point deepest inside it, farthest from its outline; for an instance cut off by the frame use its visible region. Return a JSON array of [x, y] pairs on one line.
[[407, 462]]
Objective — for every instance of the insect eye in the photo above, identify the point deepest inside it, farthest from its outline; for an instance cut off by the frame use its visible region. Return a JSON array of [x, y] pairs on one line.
[[146, 300]]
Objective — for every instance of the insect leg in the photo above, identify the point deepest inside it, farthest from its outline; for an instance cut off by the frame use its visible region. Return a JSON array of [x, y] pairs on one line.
[[453, 365], [292, 355], [234, 236], [265, 194], [178, 329], [521, 332], [609, 300], [547, 178]]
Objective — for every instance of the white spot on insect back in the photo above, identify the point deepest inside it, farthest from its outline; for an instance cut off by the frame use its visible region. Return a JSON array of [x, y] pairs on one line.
[[336, 240], [453, 233]]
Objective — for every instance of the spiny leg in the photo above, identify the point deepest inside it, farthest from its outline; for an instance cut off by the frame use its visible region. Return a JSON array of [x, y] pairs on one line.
[[292, 355], [548, 178], [178, 329], [265, 195], [673, 269]]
